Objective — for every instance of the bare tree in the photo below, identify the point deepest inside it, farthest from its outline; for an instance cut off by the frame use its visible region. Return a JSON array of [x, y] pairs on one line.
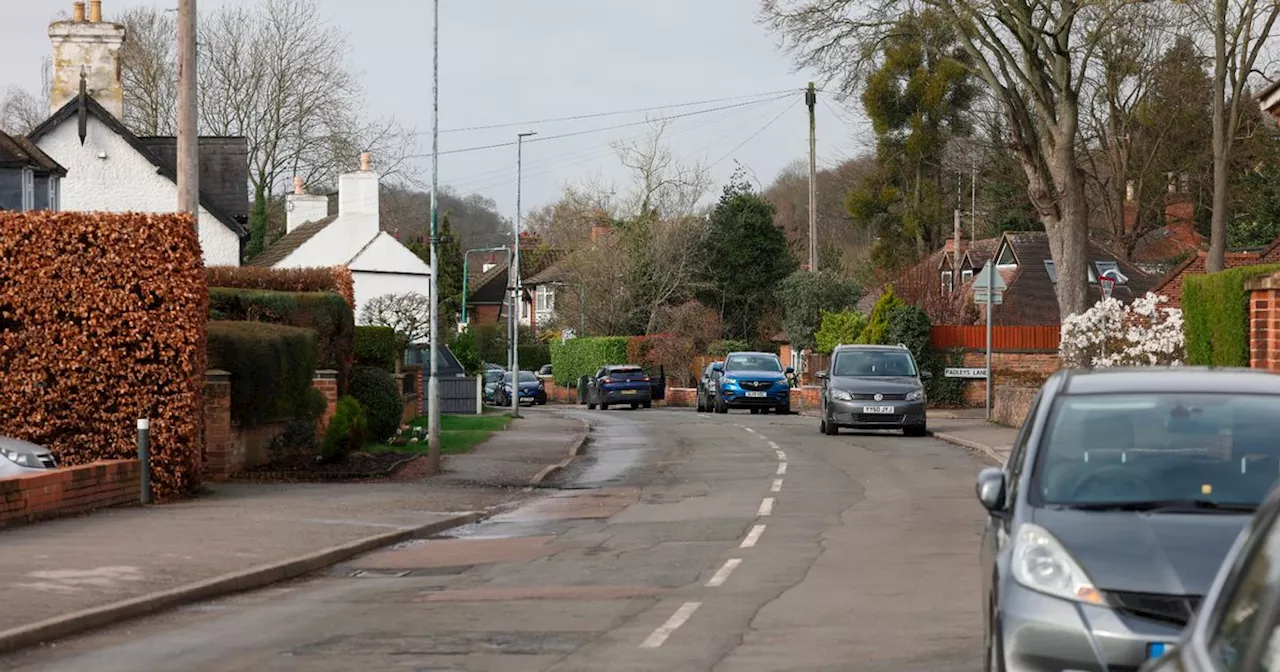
[[149, 71], [409, 314], [20, 110], [662, 184], [1033, 56]]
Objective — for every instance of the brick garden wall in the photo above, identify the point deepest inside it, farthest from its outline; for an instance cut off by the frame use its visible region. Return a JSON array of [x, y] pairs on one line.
[[1011, 403], [69, 491], [1264, 322], [1008, 367]]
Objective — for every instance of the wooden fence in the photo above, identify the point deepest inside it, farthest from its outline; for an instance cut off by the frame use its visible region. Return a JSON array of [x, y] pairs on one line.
[[1003, 339]]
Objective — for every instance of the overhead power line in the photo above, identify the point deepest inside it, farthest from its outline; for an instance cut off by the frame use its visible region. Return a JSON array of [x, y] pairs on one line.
[[758, 132]]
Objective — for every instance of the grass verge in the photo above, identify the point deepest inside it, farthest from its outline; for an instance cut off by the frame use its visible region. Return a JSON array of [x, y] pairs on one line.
[[458, 434]]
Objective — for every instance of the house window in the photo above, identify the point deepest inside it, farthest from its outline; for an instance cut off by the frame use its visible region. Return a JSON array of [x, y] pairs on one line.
[[1006, 257], [1110, 266], [1053, 272], [55, 195], [966, 275], [545, 297], [28, 190], [947, 284]]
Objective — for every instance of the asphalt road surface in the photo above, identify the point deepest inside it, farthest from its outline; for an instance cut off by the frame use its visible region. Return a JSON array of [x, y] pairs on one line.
[[681, 541]]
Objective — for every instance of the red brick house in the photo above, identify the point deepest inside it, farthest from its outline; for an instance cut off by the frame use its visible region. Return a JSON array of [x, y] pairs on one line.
[[1171, 284], [489, 301]]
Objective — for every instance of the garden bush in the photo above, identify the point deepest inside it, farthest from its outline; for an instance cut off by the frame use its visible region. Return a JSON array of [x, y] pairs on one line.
[[839, 328], [272, 367], [1215, 308], [534, 356], [324, 312], [336, 279], [579, 357], [723, 348], [346, 431], [376, 391], [463, 347], [102, 322], [377, 346], [673, 353], [877, 327], [806, 295], [1113, 333]]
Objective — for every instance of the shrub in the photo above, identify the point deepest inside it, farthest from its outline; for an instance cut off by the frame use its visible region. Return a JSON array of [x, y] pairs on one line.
[[839, 328], [910, 326], [102, 322], [876, 331], [464, 349], [271, 366], [376, 391], [324, 312], [377, 346], [693, 320], [491, 342], [1216, 310], [673, 353], [1112, 333], [336, 279], [723, 348], [346, 431], [939, 388], [579, 357], [534, 355], [805, 296]]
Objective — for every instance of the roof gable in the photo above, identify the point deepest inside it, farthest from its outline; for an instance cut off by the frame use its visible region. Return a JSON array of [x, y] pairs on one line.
[[290, 242], [385, 254], [94, 108], [17, 151]]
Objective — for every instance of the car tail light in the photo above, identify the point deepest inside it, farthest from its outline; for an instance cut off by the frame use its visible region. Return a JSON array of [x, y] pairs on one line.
[[607, 380], [645, 379]]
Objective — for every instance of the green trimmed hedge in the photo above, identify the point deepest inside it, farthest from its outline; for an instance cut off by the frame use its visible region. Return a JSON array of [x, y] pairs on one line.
[[534, 356], [376, 391], [579, 357], [326, 313], [377, 346], [346, 431], [1215, 313], [271, 368]]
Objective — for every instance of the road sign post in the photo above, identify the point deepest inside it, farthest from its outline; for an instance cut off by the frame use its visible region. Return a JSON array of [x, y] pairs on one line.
[[989, 289]]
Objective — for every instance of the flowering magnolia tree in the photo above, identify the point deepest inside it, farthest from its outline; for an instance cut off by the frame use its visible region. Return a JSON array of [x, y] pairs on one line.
[[1113, 333]]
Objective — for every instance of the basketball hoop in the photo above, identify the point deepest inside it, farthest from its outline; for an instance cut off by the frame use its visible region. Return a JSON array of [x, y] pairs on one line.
[[1106, 285]]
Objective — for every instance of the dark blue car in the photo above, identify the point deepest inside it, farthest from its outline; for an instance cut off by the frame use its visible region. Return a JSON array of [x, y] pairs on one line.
[[753, 380], [622, 384], [532, 391]]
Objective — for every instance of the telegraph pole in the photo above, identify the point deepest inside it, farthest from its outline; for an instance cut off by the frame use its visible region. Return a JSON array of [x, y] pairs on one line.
[[188, 121], [515, 283], [811, 99], [433, 382]]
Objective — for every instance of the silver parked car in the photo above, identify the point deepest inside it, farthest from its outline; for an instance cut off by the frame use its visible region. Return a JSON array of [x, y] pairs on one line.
[[873, 387], [19, 457]]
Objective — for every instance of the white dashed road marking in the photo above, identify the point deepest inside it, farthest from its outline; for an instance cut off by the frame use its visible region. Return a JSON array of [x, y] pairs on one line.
[[766, 507], [782, 468], [723, 575], [782, 455], [752, 537], [677, 619], [774, 445], [777, 485]]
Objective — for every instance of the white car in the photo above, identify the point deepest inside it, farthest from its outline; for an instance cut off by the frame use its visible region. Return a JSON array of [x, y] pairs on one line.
[[19, 457]]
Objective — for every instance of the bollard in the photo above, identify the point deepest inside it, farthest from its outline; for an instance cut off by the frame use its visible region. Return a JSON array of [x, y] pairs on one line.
[[144, 458]]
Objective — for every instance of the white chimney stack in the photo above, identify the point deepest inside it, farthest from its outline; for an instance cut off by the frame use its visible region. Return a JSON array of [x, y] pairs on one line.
[[302, 207], [90, 45], [358, 199]]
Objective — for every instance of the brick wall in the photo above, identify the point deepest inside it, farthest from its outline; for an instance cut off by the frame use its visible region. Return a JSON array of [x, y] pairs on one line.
[[1011, 403], [411, 389], [1264, 322], [230, 449], [69, 491], [1011, 367]]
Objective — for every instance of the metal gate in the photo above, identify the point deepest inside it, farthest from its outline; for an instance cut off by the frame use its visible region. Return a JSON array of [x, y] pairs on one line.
[[458, 395]]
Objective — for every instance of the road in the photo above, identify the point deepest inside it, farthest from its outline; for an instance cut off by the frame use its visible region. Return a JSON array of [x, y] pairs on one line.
[[680, 542]]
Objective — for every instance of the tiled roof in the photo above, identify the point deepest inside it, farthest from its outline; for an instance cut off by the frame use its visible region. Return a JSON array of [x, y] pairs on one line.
[[491, 287], [290, 242], [224, 169], [18, 151], [1171, 284]]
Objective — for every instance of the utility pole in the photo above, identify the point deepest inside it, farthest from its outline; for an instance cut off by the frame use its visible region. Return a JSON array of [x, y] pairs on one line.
[[433, 382], [811, 99], [188, 120], [515, 283], [973, 201]]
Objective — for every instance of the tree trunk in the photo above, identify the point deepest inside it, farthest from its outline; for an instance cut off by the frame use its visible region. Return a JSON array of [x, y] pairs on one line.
[[1069, 239], [1221, 145]]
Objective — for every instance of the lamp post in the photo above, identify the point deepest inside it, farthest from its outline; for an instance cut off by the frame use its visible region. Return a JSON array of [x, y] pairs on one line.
[[433, 382], [515, 282]]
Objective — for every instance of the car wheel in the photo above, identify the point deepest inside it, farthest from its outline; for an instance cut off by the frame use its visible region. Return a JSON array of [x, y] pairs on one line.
[[634, 405], [829, 428], [915, 430], [993, 651], [647, 404], [591, 407], [721, 407], [604, 407], [755, 411]]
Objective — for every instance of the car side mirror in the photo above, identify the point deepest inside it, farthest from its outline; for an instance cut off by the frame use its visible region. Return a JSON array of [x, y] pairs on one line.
[[926, 375], [821, 375], [790, 370], [991, 489], [717, 367]]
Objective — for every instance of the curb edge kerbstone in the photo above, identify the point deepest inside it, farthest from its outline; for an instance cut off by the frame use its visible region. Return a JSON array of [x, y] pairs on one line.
[[575, 449], [85, 620], [987, 451]]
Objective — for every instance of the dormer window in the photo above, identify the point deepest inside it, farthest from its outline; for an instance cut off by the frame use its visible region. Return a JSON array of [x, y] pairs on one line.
[[966, 275], [1006, 257], [1053, 272], [948, 285], [1112, 269]]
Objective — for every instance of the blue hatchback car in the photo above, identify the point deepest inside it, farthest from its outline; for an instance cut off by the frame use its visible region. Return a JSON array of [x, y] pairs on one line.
[[753, 380]]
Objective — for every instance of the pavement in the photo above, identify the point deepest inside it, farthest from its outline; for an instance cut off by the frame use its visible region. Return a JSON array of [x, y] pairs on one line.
[[64, 576], [970, 429], [678, 541]]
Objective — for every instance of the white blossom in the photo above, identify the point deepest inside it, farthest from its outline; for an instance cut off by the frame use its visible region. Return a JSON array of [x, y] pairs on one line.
[[1112, 333]]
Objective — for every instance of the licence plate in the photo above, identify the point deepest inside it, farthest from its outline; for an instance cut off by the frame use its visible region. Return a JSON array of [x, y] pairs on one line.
[[1158, 649], [628, 391], [756, 394], [877, 409]]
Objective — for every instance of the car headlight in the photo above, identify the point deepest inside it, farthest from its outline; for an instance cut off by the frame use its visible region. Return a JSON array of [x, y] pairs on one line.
[[841, 395], [1042, 564], [915, 395], [21, 459], [730, 381]]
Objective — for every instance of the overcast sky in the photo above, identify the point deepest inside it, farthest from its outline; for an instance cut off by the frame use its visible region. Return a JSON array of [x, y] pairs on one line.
[[504, 61]]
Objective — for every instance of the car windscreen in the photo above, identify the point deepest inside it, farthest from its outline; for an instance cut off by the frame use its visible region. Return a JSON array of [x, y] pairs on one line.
[[863, 363], [493, 375], [525, 377], [1129, 450], [753, 363], [625, 374]]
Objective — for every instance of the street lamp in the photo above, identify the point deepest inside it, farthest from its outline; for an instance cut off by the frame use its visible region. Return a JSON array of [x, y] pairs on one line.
[[433, 382], [515, 282]]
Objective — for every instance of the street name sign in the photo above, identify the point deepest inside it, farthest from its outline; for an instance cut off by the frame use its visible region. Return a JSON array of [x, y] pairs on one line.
[[957, 372]]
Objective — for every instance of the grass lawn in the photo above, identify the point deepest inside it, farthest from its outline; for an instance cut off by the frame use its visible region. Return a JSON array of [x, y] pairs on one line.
[[458, 433]]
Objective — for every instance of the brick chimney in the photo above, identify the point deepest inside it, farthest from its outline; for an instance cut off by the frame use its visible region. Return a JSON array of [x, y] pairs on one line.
[[301, 207], [90, 45], [529, 240]]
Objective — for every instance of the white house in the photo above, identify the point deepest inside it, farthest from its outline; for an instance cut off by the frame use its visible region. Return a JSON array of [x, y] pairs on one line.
[[111, 169], [379, 263]]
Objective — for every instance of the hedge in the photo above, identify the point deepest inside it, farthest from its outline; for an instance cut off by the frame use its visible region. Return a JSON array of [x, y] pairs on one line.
[[346, 431], [673, 353], [272, 367], [723, 348], [336, 279], [534, 356], [579, 357], [377, 346], [102, 322], [1215, 310], [325, 312]]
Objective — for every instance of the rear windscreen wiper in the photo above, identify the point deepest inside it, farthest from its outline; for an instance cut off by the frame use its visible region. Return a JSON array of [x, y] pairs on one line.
[[1169, 505]]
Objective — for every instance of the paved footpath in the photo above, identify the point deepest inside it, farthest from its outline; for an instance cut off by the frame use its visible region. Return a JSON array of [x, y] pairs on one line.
[[990, 440], [75, 573]]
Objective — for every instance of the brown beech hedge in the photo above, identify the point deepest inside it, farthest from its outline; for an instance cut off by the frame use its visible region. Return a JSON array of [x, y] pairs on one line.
[[335, 279], [102, 322]]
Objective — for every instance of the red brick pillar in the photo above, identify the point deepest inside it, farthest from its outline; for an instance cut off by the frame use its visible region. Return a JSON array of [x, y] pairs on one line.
[[223, 456], [1264, 322], [326, 380]]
